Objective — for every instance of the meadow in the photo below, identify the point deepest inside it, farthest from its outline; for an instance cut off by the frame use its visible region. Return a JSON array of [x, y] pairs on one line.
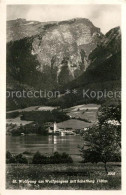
[[76, 176]]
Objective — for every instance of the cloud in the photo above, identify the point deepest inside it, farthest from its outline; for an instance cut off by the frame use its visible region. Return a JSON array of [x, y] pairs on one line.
[[107, 17]]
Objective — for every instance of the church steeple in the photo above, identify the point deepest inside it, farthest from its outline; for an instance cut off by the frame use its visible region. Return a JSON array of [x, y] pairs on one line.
[[55, 127]]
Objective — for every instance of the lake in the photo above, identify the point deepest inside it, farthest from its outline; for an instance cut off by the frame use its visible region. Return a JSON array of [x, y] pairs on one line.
[[49, 144], [45, 144]]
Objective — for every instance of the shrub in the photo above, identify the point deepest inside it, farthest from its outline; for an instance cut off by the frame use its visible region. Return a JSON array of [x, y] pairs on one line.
[[38, 158], [10, 158], [56, 158], [30, 128], [15, 159], [8, 155], [26, 152], [21, 159]]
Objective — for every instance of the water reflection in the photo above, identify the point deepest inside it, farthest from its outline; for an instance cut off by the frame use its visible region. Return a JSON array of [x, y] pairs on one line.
[[54, 143], [44, 144]]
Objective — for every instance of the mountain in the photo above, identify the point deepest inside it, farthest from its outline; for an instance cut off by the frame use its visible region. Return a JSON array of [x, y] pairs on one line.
[[104, 71], [21, 28], [105, 61], [57, 52], [71, 54]]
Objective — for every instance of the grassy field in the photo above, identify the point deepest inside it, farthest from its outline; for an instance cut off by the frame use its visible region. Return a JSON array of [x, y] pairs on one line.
[[84, 111], [76, 176], [35, 113]]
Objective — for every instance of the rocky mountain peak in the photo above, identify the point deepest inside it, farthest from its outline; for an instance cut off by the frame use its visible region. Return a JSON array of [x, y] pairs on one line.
[[61, 48]]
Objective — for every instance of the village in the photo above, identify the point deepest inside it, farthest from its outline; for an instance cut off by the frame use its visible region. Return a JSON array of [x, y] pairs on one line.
[[53, 129]]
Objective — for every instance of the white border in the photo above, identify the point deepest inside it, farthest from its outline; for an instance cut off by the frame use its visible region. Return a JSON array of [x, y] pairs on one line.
[[64, 1], [3, 4]]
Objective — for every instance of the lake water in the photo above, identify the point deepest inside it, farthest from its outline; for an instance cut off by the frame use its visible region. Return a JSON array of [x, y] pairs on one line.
[[45, 144]]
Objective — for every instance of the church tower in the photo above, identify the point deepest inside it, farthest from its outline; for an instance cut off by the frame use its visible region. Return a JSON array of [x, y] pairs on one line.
[[55, 127]]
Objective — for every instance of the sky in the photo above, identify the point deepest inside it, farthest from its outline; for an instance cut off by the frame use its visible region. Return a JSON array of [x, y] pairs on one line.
[[105, 17]]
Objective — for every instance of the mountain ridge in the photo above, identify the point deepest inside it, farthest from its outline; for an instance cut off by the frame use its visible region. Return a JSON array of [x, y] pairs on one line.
[[61, 48], [21, 21]]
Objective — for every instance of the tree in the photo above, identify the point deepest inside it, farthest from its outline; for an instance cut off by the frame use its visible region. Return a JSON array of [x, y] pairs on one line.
[[21, 64], [103, 144], [111, 112], [104, 138]]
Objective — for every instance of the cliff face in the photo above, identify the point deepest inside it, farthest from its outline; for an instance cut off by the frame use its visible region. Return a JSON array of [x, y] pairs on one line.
[[61, 48], [109, 46], [105, 64]]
